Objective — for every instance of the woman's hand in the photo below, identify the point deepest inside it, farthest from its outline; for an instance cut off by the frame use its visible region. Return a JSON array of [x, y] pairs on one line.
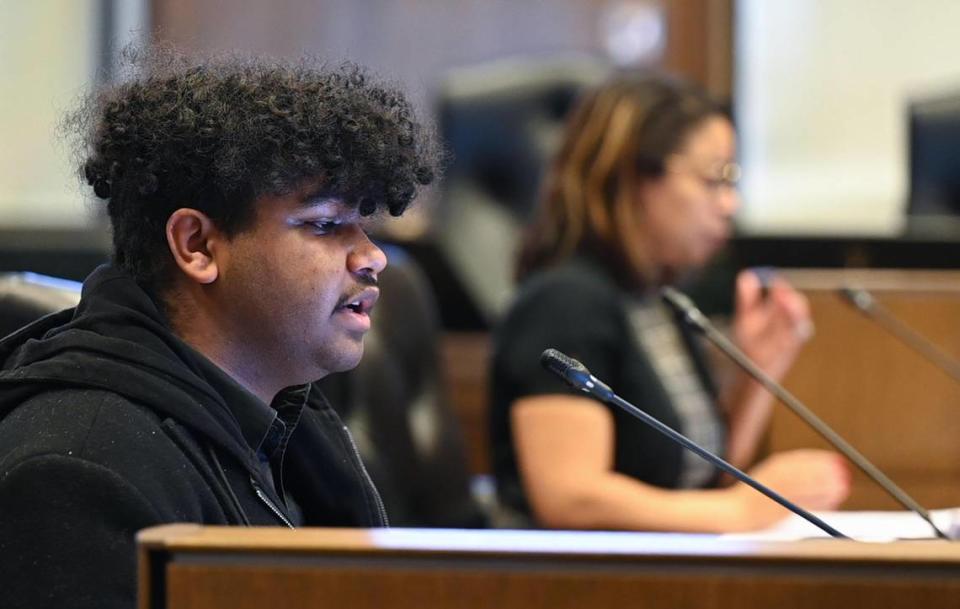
[[813, 479], [770, 329]]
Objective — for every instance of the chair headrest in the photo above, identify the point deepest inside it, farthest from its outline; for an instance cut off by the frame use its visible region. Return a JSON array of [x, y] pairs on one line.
[[25, 297], [503, 120]]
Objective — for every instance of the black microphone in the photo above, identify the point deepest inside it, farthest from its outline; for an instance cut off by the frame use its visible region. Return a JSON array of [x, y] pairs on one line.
[[577, 376], [864, 302], [688, 311]]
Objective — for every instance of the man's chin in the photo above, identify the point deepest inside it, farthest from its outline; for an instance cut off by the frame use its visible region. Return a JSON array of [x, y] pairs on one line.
[[346, 359]]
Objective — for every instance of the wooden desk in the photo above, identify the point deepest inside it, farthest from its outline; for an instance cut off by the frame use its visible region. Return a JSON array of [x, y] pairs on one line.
[[191, 567]]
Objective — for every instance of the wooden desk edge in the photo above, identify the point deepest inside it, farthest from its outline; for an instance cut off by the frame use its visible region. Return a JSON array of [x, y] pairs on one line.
[[434, 543]]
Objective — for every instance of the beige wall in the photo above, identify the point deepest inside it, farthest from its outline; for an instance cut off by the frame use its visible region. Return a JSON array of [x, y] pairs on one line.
[[47, 59], [822, 93]]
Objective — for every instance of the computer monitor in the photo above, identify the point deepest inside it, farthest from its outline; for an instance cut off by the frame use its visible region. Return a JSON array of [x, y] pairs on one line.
[[934, 149]]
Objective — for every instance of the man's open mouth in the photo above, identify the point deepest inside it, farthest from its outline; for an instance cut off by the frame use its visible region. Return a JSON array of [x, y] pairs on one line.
[[361, 302]]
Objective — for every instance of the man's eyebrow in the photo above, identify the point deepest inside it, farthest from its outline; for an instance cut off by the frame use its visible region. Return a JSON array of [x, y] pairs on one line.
[[332, 207], [320, 200]]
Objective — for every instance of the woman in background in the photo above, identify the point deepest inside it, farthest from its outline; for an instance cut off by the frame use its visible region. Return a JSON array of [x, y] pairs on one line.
[[641, 193]]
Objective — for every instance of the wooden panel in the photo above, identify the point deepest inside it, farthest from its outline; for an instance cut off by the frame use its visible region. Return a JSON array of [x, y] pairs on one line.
[[896, 408], [206, 587], [700, 43], [202, 568], [465, 358], [414, 41]]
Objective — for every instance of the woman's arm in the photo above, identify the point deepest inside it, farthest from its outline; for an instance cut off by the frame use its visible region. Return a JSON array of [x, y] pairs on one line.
[[565, 448]]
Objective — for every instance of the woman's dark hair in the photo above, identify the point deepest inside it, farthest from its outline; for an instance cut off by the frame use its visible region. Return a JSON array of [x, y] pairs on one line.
[[618, 135], [216, 134]]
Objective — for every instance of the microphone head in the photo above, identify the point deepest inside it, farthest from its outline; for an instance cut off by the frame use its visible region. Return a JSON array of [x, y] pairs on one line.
[[682, 304], [859, 298], [575, 374], [561, 363]]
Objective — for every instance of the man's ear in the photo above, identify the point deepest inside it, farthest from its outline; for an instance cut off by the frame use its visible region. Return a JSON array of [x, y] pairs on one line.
[[190, 234]]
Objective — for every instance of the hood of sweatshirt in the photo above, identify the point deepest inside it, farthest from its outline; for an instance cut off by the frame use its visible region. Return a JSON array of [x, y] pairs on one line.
[[118, 340]]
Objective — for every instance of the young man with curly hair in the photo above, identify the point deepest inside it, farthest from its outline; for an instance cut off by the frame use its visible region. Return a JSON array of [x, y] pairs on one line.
[[179, 388]]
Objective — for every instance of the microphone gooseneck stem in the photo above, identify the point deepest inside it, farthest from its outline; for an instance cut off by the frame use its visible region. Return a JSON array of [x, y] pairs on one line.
[[913, 339], [848, 451], [717, 461]]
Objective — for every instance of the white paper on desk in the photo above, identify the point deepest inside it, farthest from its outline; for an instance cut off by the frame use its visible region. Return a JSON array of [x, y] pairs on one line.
[[864, 526]]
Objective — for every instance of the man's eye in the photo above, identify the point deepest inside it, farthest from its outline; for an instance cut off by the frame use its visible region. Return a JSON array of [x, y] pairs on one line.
[[324, 227]]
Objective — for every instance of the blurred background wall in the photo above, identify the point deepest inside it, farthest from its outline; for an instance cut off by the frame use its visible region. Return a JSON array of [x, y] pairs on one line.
[[51, 51], [820, 91]]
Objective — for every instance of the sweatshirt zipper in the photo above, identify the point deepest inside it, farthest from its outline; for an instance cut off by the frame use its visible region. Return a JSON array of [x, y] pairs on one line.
[[378, 502], [266, 500]]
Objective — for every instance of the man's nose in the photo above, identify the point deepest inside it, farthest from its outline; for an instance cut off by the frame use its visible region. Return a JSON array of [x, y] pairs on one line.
[[366, 257]]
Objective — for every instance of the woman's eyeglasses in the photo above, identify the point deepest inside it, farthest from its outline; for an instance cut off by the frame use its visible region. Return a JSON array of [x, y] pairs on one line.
[[715, 178]]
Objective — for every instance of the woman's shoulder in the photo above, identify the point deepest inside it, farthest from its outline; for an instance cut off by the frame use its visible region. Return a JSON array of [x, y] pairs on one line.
[[573, 297], [577, 278]]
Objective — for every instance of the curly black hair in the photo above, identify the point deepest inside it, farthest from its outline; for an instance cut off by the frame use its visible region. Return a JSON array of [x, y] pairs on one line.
[[216, 134]]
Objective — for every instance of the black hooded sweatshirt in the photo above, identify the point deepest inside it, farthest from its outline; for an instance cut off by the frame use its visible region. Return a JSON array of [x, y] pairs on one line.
[[107, 426]]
